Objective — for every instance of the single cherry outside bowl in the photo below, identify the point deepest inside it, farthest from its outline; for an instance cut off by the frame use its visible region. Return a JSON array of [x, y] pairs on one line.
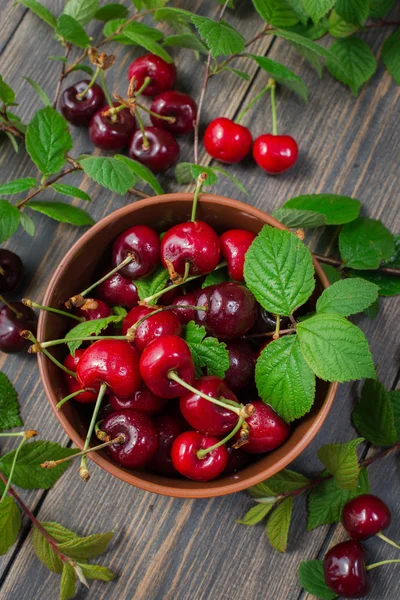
[[79, 267]]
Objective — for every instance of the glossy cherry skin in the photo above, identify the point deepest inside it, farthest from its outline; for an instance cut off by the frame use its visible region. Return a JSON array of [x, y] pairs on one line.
[[234, 245], [365, 516], [266, 322], [163, 323], [161, 153], [232, 310], [80, 111], [345, 570], [167, 298], [11, 271], [111, 135], [185, 314], [267, 431], [161, 73], [163, 355], [227, 141], [168, 428], [237, 459], [118, 291], [204, 416], [194, 242], [242, 364], [275, 153], [178, 105], [141, 439], [143, 400], [114, 362], [186, 462], [71, 362], [143, 243], [11, 327], [93, 309]]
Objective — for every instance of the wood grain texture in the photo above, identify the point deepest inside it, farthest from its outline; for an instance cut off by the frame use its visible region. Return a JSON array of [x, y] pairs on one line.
[[194, 550]]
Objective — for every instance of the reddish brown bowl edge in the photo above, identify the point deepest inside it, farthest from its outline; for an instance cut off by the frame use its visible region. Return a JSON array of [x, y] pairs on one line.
[[203, 491]]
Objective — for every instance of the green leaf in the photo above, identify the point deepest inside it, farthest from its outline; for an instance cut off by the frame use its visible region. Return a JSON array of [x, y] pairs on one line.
[[147, 37], [221, 38], [88, 328], [70, 190], [255, 514], [338, 28], [335, 349], [233, 179], [276, 12], [379, 8], [45, 552], [9, 220], [109, 172], [207, 352], [215, 277], [119, 310], [281, 483], [17, 185], [282, 75], [347, 297], [174, 15], [142, 172], [298, 8], [187, 172], [300, 40], [28, 473], [389, 285], [48, 140], [278, 525], [336, 209], [279, 271], [68, 582], [59, 533], [185, 40], [355, 12], [40, 92], [110, 29], [372, 311], [13, 140], [318, 8], [341, 461], [7, 94], [293, 217], [149, 4], [332, 274], [394, 396], [82, 11], [358, 64], [40, 10], [240, 74], [391, 55], [9, 407], [86, 547], [64, 213], [97, 572], [364, 243], [147, 286], [284, 379], [373, 415], [16, 121], [111, 11], [27, 223], [312, 579], [72, 31], [10, 523]]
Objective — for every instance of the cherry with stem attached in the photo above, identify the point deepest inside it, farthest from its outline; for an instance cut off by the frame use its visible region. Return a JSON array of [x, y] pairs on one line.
[[366, 516], [83, 469]]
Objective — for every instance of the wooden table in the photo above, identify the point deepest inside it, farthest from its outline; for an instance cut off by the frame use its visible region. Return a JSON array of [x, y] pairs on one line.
[[192, 550]]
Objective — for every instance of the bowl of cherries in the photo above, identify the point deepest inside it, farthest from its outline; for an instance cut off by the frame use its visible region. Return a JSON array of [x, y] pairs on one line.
[[163, 338]]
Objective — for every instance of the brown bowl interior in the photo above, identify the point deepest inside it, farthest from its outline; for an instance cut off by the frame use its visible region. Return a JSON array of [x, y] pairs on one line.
[[76, 271]]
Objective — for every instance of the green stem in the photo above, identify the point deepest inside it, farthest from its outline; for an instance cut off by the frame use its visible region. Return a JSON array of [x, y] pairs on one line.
[[18, 314], [28, 335], [273, 108], [203, 453], [199, 184], [154, 114], [50, 464], [99, 433], [143, 86], [18, 434], [106, 93], [145, 141], [130, 334], [81, 95], [56, 311], [277, 327], [66, 398], [43, 345], [252, 103], [83, 468], [122, 264], [382, 562], [387, 540], [14, 462]]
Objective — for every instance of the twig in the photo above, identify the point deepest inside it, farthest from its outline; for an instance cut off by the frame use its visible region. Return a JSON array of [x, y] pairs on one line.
[[46, 185], [223, 64], [382, 23], [139, 193], [339, 265], [61, 75]]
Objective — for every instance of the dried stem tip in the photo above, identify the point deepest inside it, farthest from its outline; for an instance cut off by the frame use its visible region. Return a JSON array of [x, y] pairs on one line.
[[299, 233], [31, 433], [49, 464], [75, 301], [35, 348], [84, 474], [27, 302]]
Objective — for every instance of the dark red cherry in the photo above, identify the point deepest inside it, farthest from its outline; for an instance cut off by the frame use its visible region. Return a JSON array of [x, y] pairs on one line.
[[168, 428], [167, 298], [118, 291], [109, 134], [143, 243], [11, 326], [227, 141], [237, 459], [79, 111], [71, 362], [345, 570], [114, 362], [234, 245], [11, 271], [178, 105], [232, 310], [185, 459], [365, 516], [163, 355], [143, 400], [93, 309], [159, 154], [242, 363], [185, 314], [162, 323], [266, 322], [161, 73], [204, 416], [194, 242], [267, 431], [275, 153], [141, 439]]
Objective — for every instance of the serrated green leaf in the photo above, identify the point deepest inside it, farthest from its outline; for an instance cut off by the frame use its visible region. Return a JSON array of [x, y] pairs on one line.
[[221, 38], [97, 572], [364, 243], [233, 179], [336, 209], [379, 8], [111, 28], [109, 172], [240, 74], [391, 55], [119, 310], [82, 11], [394, 396], [335, 349], [64, 213], [87, 328], [255, 514], [215, 277], [17, 185], [355, 12], [341, 461], [347, 297], [188, 172], [68, 582], [59, 533], [338, 28], [86, 547], [186, 40], [40, 92], [373, 415], [207, 352], [72, 31], [279, 271], [45, 552], [9, 407], [278, 13], [147, 37], [7, 94], [27, 223], [278, 525], [312, 579], [147, 286], [40, 11], [293, 217], [284, 380], [358, 64], [48, 140], [142, 172], [371, 312], [13, 141], [15, 120], [281, 483], [111, 11], [183, 173], [298, 8], [301, 41], [173, 15], [149, 4], [84, 68], [70, 190], [9, 220], [282, 75], [10, 523], [332, 273], [318, 8], [389, 285]]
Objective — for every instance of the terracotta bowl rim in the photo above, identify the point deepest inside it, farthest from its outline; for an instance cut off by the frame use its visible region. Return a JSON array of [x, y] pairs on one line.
[[203, 491]]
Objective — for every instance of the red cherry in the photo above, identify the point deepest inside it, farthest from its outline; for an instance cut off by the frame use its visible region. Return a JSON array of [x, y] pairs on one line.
[[11, 326], [275, 153], [117, 290], [71, 362], [143, 400], [163, 355], [167, 298], [365, 516], [160, 324], [266, 322], [168, 428], [194, 242], [11, 271], [178, 105], [237, 459], [93, 309], [267, 431], [227, 141], [79, 111], [185, 459], [185, 314], [114, 362], [161, 73], [111, 135], [242, 363], [161, 153], [141, 440], [345, 570], [143, 243], [205, 416], [234, 245]]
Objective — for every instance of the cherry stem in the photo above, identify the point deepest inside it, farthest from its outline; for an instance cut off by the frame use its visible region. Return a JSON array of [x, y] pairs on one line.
[[28, 335], [56, 311], [41, 346], [382, 562], [83, 470], [106, 93], [273, 107], [145, 141], [17, 313], [199, 184], [66, 398], [387, 540], [50, 464], [130, 334], [14, 462], [143, 86], [154, 114], [99, 433], [2, 272], [339, 265], [277, 328], [252, 103], [81, 95], [203, 453], [268, 334]]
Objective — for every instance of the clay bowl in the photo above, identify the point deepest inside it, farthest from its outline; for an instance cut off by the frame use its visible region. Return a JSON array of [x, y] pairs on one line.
[[76, 271]]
